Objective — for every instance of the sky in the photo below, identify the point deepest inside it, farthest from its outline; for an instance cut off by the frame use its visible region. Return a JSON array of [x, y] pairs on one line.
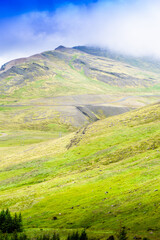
[[28, 27]]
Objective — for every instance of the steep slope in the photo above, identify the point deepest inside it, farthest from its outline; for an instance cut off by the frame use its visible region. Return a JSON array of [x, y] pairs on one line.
[[99, 177]]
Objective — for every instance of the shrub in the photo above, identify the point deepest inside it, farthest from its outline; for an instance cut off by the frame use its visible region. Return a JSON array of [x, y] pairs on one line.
[[122, 235], [9, 224], [77, 236]]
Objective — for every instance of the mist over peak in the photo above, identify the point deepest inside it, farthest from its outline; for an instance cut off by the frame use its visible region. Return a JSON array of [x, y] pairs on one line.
[[128, 27]]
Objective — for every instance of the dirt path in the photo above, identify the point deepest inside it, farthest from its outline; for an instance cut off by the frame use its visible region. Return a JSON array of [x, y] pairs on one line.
[[81, 100], [65, 103]]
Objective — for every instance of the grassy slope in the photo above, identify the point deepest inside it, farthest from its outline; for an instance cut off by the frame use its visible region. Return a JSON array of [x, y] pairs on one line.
[[25, 125], [99, 177]]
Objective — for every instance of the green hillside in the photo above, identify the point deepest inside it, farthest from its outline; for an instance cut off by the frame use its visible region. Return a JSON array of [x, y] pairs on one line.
[[99, 177], [66, 71]]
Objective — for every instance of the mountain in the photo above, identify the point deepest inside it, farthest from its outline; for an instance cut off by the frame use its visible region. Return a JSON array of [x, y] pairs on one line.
[[64, 89], [99, 177], [60, 72], [145, 63], [79, 148]]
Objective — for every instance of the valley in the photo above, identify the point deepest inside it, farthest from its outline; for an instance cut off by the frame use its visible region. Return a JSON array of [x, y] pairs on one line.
[[80, 144]]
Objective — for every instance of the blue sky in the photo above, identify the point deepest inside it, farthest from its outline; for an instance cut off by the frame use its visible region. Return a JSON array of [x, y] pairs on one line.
[[9, 8], [28, 27]]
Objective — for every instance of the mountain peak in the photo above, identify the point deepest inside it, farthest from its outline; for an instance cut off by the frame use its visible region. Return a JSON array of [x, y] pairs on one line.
[[61, 48]]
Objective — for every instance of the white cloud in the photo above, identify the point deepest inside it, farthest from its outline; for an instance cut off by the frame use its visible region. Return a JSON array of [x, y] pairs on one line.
[[129, 27]]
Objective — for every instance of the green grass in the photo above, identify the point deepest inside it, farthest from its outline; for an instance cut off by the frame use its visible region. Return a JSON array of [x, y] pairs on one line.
[[151, 90], [109, 177], [56, 127], [27, 137], [5, 108], [41, 118], [71, 61]]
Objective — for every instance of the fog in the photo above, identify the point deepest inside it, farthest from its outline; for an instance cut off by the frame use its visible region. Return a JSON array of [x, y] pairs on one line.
[[130, 27]]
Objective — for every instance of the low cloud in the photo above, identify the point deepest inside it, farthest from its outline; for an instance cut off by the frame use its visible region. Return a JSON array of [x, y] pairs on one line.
[[130, 27]]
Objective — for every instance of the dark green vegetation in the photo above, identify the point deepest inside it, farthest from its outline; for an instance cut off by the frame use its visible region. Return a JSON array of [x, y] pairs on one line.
[[65, 170], [54, 236], [9, 224], [121, 235]]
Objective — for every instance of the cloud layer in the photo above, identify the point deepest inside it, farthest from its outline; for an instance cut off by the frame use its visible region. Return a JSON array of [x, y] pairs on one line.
[[131, 27]]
